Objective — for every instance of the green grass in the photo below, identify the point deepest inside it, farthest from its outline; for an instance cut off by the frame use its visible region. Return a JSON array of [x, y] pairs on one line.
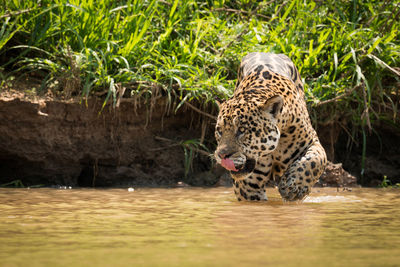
[[386, 183], [346, 51], [18, 184]]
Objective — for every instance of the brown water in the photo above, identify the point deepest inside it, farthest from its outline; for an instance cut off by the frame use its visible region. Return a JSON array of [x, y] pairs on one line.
[[197, 227]]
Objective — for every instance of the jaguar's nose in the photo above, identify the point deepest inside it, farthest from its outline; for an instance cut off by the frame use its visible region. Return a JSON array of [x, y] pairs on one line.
[[222, 155], [224, 152]]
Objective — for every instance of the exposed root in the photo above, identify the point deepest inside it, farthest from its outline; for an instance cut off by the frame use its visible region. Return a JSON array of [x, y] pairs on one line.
[[345, 94], [365, 114], [200, 111]]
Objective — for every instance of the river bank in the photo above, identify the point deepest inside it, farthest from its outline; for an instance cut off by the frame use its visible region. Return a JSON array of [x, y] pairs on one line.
[[135, 55]]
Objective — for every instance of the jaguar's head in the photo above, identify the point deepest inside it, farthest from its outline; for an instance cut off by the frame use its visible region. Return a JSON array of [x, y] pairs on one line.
[[246, 130]]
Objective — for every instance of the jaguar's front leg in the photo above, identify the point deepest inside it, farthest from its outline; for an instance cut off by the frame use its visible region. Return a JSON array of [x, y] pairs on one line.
[[249, 190], [252, 188], [303, 173]]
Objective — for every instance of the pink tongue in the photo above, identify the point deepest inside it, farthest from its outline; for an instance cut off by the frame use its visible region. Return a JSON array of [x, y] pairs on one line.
[[228, 164]]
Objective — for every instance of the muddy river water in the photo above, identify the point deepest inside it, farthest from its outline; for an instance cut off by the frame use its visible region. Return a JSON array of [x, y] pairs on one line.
[[197, 227]]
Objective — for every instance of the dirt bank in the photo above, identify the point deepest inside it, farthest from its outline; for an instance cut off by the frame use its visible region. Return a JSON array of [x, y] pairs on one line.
[[57, 142], [64, 142]]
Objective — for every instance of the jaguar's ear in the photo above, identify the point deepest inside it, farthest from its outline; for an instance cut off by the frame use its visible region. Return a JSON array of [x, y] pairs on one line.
[[273, 105], [218, 101]]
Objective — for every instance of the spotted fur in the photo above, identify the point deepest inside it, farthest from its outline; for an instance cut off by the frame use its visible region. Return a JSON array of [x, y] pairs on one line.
[[266, 131]]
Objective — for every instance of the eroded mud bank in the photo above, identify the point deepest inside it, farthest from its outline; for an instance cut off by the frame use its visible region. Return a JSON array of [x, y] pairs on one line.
[[68, 143]]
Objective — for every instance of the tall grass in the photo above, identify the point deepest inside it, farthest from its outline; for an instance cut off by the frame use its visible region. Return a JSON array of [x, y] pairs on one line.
[[347, 51]]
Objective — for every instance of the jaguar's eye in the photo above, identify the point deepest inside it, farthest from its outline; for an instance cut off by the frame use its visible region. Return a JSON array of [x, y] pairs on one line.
[[218, 131], [240, 131]]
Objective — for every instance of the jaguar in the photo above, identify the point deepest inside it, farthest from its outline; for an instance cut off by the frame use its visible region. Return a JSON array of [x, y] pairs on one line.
[[264, 134]]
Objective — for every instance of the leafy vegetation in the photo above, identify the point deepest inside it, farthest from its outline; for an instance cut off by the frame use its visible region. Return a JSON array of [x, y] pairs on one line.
[[14, 183], [386, 183], [18, 184], [347, 51]]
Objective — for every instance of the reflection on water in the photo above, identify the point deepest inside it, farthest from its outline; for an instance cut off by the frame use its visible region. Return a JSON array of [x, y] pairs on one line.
[[197, 227]]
